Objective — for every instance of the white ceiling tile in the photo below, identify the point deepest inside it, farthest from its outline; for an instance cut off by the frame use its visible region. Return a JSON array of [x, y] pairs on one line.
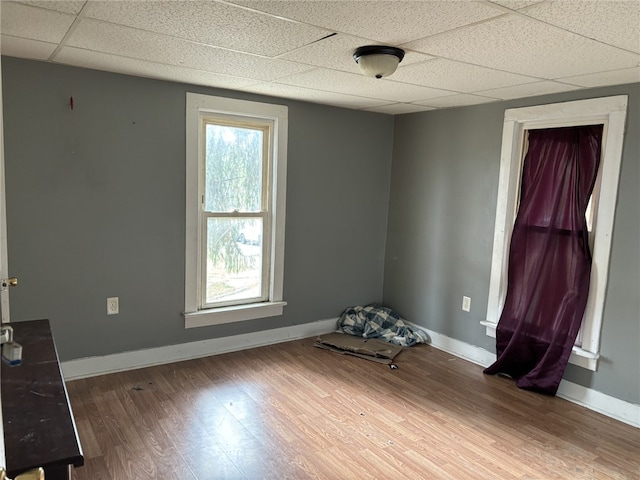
[[35, 23], [66, 6], [129, 42], [461, 100], [386, 21], [457, 76], [516, 4], [358, 84], [130, 66], [25, 48], [311, 95], [453, 49], [615, 77], [616, 23], [400, 108], [210, 22], [528, 90], [528, 47], [336, 53]]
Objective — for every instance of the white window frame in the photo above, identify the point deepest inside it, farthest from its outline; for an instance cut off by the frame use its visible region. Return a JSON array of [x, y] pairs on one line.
[[610, 112], [197, 107]]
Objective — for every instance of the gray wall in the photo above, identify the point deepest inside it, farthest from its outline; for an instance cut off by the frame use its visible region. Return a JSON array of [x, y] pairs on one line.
[[95, 208], [96, 200], [444, 188]]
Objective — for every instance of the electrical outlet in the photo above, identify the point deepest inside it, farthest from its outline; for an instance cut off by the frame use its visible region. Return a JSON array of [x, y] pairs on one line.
[[466, 304], [113, 307]]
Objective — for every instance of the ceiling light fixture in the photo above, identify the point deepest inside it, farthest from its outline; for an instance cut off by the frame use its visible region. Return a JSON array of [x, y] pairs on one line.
[[378, 60]]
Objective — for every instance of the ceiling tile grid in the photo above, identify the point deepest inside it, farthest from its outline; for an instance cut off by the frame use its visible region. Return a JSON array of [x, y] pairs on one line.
[[521, 45], [461, 77], [24, 21], [210, 23], [336, 53], [356, 84], [613, 23], [457, 101], [614, 77], [457, 52], [66, 6], [400, 108], [26, 48], [528, 90], [133, 66], [129, 42], [393, 22], [516, 4], [317, 96]]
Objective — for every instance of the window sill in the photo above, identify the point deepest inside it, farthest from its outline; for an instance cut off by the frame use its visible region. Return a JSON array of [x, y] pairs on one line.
[[236, 313], [581, 358]]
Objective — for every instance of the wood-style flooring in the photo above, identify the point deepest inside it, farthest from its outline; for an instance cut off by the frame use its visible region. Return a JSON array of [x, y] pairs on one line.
[[293, 411]]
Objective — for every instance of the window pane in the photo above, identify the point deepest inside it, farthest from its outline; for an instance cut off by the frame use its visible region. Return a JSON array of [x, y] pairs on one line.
[[234, 259], [233, 169]]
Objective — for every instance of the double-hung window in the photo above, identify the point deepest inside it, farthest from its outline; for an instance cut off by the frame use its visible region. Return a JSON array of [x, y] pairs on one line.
[[235, 193]]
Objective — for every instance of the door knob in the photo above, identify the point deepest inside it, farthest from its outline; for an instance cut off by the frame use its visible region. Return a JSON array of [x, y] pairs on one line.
[[37, 474], [8, 282]]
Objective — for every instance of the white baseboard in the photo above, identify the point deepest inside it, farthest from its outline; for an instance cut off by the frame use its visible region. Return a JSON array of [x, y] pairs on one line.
[[592, 399], [474, 354], [87, 367], [92, 366], [600, 402]]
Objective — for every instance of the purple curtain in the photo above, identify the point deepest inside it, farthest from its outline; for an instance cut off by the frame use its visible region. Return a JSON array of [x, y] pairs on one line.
[[549, 258]]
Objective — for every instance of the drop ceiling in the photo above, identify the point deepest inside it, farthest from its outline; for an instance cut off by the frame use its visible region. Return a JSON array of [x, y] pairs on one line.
[[457, 52]]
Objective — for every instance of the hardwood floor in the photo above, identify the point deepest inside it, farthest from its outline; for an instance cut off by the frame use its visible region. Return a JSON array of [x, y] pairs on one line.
[[298, 412]]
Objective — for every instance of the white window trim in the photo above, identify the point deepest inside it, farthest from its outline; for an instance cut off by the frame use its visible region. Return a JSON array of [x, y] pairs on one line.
[[197, 105], [610, 111]]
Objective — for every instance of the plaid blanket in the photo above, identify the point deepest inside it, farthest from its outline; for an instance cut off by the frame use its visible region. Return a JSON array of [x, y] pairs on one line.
[[375, 321]]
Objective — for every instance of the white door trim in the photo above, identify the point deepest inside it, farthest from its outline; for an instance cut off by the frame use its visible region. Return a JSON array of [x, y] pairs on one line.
[[608, 111]]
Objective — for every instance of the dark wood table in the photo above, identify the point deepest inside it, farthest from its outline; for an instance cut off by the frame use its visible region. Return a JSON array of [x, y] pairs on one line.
[[39, 428]]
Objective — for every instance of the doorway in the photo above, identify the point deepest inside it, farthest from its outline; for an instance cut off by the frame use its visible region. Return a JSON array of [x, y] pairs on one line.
[[609, 112]]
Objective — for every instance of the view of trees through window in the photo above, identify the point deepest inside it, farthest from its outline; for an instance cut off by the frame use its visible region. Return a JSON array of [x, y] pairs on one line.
[[233, 206]]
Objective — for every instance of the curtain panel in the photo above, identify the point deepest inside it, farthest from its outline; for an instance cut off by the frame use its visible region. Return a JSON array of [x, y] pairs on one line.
[[549, 258]]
